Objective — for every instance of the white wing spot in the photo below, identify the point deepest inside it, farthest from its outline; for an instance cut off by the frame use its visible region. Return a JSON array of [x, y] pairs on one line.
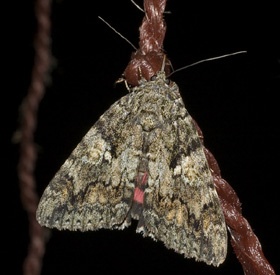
[[177, 170]]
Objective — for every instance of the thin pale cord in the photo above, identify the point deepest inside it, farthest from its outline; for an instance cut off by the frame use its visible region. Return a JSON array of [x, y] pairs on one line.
[[137, 6]]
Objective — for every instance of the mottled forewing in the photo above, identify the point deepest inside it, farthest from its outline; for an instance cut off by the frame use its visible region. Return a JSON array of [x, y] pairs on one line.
[[94, 187], [181, 206]]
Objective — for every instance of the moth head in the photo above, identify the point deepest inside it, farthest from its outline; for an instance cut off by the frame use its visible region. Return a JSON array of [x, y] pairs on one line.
[[149, 64]]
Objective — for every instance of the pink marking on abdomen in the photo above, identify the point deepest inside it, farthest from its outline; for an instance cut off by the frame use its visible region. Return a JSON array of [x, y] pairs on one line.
[[138, 195]]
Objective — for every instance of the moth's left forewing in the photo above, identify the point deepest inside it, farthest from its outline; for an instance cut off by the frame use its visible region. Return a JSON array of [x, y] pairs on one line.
[[94, 187], [181, 206]]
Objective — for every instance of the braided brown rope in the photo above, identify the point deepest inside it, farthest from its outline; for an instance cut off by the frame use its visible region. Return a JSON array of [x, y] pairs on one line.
[[28, 154], [149, 58], [245, 243]]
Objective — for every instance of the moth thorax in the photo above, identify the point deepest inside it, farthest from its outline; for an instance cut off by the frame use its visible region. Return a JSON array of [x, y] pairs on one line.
[[149, 122]]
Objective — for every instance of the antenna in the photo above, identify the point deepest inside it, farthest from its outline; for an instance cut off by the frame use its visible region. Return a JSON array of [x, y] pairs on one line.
[[117, 32], [206, 60]]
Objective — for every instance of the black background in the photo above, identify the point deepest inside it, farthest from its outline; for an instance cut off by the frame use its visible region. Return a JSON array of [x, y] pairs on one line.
[[234, 100]]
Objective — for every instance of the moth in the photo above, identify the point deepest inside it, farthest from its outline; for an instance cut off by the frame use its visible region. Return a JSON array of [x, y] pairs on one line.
[[143, 159]]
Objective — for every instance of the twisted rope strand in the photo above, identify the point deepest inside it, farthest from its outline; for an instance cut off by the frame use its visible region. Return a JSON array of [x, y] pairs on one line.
[[148, 58], [245, 243], [28, 154]]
